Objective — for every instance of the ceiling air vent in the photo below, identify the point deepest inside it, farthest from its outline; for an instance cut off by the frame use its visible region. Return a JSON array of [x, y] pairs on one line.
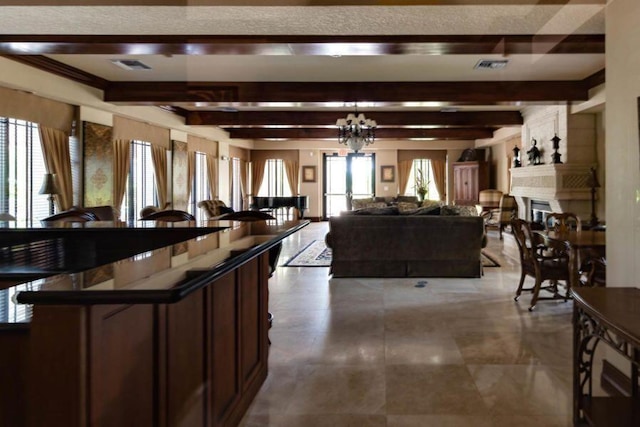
[[130, 64], [491, 64]]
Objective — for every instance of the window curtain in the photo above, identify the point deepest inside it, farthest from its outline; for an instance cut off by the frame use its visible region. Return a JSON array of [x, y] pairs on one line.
[[159, 155], [291, 168], [438, 167], [212, 175], [191, 172], [243, 182], [257, 175], [121, 152], [55, 147], [404, 170]]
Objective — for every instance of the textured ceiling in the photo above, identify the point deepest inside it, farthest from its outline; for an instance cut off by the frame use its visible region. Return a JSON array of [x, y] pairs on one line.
[[327, 20]]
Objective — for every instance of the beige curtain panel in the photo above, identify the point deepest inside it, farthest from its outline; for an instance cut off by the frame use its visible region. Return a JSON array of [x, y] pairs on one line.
[[243, 181], [257, 175], [32, 108], [121, 148], [439, 169], [404, 169], [191, 172], [212, 176], [131, 130], [55, 148], [293, 173], [159, 155]]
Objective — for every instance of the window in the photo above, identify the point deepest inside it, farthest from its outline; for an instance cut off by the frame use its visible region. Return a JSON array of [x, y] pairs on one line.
[[200, 190], [274, 182], [423, 165], [22, 168], [141, 188]]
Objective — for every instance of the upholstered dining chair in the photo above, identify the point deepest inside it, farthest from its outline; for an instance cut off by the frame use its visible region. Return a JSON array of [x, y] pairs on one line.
[[562, 222], [501, 217], [543, 263], [169, 215]]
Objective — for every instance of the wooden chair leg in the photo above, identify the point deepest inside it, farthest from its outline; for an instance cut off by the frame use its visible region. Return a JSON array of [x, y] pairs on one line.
[[519, 290], [536, 292], [500, 228]]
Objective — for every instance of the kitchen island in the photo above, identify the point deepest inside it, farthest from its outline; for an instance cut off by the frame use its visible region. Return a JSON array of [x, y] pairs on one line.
[[174, 335]]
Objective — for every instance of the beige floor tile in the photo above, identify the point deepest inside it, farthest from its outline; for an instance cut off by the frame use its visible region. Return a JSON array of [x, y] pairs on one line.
[[432, 389], [531, 421], [327, 389], [439, 421], [522, 390], [324, 420], [507, 348], [403, 348]]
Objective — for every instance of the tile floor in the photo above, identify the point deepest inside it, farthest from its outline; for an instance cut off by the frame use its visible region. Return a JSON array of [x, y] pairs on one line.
[[383, 352]]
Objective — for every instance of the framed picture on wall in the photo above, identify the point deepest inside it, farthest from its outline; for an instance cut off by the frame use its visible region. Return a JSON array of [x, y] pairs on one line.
[[308, 174], [387, 173]]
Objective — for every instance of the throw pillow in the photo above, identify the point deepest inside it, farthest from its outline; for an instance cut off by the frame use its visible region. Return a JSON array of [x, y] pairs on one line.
[[360, 203], [431, 203], [456, 210], [404, 207]]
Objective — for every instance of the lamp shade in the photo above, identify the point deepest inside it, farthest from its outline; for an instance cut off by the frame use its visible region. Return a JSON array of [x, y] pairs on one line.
[[49, 184]]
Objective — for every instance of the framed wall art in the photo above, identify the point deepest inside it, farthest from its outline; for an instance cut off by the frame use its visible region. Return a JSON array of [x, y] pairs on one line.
[[387, 173], [308, 174]]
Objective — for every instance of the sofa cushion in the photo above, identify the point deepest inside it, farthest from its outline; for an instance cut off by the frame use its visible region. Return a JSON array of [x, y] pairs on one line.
[[431, 203], [430, 210], [386, 210]]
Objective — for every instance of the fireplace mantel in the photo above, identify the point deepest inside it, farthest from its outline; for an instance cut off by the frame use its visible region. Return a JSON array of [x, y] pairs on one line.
[[564, 186]]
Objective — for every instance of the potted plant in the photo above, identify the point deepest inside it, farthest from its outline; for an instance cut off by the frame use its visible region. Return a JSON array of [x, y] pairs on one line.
[[422, 185]]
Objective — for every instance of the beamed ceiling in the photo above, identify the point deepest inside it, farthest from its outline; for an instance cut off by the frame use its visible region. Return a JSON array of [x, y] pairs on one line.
[[279, 85]]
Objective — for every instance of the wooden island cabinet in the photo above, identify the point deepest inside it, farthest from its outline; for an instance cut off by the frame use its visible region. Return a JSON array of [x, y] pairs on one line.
[[184, 346]]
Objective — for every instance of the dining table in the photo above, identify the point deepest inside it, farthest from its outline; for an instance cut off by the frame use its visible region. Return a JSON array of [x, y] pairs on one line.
[[576, 241]]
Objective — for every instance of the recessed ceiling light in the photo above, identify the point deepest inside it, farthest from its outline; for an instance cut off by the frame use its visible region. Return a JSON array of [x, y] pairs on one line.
[[491, 64], [130, 64]]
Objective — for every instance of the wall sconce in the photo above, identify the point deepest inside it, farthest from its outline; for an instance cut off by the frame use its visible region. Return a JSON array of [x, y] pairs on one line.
[[49, 187], [225, 158]]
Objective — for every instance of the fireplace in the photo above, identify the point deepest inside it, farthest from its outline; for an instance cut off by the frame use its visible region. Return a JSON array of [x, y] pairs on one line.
[[551, 188]]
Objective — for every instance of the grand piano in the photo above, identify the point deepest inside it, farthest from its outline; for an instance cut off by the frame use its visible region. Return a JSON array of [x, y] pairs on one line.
[[274, 202]]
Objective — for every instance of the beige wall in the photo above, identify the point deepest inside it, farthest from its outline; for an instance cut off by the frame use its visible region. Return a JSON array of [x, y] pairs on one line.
[[623, 156]]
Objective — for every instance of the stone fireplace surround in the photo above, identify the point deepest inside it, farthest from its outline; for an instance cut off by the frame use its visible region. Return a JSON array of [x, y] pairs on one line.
[[563, 186]]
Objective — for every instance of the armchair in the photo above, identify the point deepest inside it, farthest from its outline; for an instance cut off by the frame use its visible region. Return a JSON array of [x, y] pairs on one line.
[[501, 217], [213, 208]]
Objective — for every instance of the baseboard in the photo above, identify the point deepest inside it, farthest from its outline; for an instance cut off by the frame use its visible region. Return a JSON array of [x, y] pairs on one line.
[[614, 381]]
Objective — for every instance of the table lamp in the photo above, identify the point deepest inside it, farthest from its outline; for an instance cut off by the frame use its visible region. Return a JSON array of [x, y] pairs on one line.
[[49, 187]]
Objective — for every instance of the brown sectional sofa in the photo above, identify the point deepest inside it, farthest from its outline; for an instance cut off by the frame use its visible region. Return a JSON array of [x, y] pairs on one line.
[[406, 245]]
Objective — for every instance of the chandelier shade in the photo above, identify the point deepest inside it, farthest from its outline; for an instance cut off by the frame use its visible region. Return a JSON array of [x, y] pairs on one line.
[[356, 132]]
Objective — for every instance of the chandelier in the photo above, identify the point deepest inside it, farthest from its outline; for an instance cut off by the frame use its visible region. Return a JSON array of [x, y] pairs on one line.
[[356, 131]]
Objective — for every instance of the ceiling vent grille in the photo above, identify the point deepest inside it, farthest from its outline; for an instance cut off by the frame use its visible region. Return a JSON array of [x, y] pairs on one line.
[[491, 64], [130, 64]]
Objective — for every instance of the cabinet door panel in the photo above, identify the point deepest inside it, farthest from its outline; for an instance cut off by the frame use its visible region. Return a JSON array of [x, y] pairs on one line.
[[250, 322], [122, 365], [225, 378]]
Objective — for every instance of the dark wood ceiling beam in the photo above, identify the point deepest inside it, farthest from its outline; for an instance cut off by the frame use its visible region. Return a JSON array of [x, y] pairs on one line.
[[384, 118], [301, 45], [384, 133], [291, 2], [478, 92]]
